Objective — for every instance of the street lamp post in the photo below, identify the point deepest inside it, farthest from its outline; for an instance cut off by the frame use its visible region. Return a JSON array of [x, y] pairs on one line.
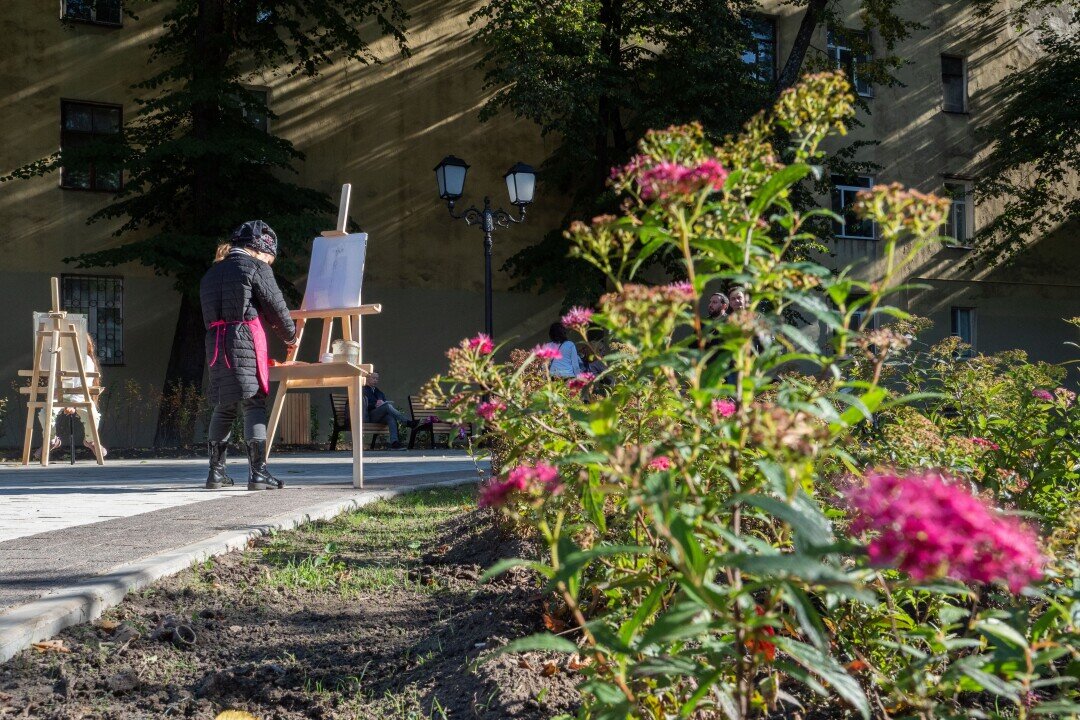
[[520, 185]]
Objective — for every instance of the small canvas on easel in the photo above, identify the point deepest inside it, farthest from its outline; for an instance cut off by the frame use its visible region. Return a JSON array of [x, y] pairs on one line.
[[67, 350], [337, 272]]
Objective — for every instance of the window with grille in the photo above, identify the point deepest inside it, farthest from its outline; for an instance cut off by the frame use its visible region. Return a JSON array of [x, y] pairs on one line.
[[761, 53], [963, 327], [959, 225], [845, 188], [100, 12], [101, 299], [82, 123], [846, 57], [953, 84]]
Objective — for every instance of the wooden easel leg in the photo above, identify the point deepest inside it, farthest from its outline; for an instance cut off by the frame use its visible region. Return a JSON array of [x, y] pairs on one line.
[[91, 411], [54, 370], [356, 418], [31, 410], [275, 415]]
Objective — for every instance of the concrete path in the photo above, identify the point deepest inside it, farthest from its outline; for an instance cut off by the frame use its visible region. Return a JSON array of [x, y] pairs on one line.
[[74, 539]]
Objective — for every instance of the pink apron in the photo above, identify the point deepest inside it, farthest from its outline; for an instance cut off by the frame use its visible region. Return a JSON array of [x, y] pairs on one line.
[[258, 337]]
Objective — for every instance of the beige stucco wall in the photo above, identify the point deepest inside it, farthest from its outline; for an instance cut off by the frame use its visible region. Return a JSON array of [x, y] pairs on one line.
[[384, 127]]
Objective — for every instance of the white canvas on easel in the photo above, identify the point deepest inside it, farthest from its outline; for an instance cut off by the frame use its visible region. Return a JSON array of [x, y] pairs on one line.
[[67, 350], [336, 277]]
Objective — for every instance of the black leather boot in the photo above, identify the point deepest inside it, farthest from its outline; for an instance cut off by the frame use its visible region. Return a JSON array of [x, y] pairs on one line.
[[259, 478], [218, 478]]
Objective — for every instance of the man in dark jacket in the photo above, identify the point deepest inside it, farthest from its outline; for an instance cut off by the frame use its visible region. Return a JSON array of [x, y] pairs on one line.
[[239, 296], [378, 410]]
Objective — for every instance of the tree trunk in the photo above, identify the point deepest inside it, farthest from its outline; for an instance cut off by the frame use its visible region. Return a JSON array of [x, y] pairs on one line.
[[815, 11], [185, 369]]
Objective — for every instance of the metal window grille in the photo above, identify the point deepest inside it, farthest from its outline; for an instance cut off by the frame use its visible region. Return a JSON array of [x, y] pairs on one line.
[[101, 299], [953, 84], [101, 12], [845, 189], [761, 53], [844, 57], [81, 124]]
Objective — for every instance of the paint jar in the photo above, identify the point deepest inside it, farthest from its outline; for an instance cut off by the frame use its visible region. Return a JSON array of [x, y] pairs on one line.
[[327, 358], [347, 351]]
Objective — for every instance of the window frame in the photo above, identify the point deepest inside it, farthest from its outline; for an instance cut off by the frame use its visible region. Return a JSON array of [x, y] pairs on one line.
[[774, 24], [963, 84], [968, 203], [90, 326], [973, 319], [854, 190], [265, 92], [64, 103], [100, 23], [834, 52]]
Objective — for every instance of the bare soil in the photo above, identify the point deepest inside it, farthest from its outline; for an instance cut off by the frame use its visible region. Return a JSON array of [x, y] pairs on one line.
[[374, 615]]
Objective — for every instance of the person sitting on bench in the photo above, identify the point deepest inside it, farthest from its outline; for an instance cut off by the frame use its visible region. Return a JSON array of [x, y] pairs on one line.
[[379, 410]]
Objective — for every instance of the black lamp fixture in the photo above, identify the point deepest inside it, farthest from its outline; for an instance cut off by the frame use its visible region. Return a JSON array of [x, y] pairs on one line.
[[520, 184]]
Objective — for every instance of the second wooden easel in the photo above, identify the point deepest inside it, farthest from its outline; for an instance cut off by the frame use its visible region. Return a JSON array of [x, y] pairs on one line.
[[300, 376], [47, 391]]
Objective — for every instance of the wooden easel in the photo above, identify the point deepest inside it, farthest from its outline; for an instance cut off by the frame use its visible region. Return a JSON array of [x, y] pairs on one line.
[[59, 333], [327, 375]]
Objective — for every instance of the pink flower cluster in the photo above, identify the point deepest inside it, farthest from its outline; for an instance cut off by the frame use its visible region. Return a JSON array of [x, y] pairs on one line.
[[1044, 395], [490, 408], [983, 442], [577, 318], [579, 381], [481, 344], [678, 291], [523, 478], [660, 464], [547, 351], [723, 408], [667, 179], [929, 527]]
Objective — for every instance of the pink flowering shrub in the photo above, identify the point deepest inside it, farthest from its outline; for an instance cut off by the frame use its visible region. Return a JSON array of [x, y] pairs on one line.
[[548, 351], [747, 584], [930, 527], [481, 344], [1044, 395]]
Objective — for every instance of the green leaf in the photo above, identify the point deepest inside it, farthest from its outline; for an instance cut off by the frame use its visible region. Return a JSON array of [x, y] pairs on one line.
[[862, 408], [828, 669], [509, 563], [642, 613], [1001, 631], [990, 683], [677, 623], [776, 185], [541, 641], [807, 614], [804, 517]]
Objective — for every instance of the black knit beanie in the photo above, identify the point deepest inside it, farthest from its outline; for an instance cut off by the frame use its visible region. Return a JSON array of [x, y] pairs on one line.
[[257, 235]]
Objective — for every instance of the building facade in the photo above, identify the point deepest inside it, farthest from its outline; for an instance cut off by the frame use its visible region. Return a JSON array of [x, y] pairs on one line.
[[383, 128]]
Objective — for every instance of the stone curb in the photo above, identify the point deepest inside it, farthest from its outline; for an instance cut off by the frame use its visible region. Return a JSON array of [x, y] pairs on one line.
[[82, 602]]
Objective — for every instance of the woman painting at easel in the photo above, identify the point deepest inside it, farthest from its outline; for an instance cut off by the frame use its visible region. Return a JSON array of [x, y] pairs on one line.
[[91, 364], [239, 293]]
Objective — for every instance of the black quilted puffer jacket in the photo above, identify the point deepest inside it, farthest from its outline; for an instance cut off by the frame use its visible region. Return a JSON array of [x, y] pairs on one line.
[[236, 289]]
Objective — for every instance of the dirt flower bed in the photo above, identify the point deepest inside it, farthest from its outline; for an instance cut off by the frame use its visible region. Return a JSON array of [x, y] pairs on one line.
[[377, 614]]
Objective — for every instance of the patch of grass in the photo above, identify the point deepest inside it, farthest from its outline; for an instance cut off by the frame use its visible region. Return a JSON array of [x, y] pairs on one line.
[[368, 550]]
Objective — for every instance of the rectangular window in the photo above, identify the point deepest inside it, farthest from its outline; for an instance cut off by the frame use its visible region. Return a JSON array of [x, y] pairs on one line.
[[960, 223], [82, 123], [953, 84], [963, 325], [761, 53], [859, 316], [101, 299], [257, 116], [845, 188], [100, 12], [847, 50]]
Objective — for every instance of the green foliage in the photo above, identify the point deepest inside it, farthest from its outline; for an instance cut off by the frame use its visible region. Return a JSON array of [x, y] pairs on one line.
[[691, 495], [1035, 158]]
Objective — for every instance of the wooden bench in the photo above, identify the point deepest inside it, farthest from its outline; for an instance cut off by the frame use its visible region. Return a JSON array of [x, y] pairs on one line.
[[340, 404], [429, 419]]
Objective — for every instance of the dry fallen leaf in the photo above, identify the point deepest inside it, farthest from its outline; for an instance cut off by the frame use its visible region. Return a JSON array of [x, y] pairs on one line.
[[51, 646], [107, 625], [523, 663], [577, 662], [554, 624], [550, 669], [235, 715]]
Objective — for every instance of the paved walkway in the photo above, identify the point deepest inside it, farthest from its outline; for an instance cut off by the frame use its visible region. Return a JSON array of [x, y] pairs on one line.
[[65, 524]]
